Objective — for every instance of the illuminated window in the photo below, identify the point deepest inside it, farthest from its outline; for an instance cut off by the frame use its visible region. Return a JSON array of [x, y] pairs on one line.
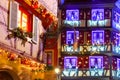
[[118, 64], [49, 57], [116, 46], [98, 37], [72, 17], [96, 62], [97, 14], [70, 62], [71, 36], [117, 39], [116, 20], [24, 20], [98, 18]]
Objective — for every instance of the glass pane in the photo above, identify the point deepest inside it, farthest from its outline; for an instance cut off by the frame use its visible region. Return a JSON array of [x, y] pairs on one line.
[[116, 20], [19, 18], [97, 18], [96, 62], [24, 22], [70, 62], [97, 14], [72, 15], [71, 36], [118, 64], [98, 37]]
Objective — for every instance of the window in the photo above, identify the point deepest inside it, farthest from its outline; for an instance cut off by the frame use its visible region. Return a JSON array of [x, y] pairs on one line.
[[97, 14], [49, 57], [96, 62], [118, 64], [72, 17], [71, 36], [117, 39], [118, 67], [98, 17], [98, 37], [116, 46], [24, 20], [70, 62], [116, 20]]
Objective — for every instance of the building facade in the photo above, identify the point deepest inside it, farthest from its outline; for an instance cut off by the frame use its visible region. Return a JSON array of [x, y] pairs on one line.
[[89, 39], [23, 24]]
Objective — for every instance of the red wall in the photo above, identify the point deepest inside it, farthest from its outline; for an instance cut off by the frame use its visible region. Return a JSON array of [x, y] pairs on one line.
[[51, 44]]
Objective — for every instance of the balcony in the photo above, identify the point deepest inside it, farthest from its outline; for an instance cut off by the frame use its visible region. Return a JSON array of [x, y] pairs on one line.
[[89, 74], [86, 49]]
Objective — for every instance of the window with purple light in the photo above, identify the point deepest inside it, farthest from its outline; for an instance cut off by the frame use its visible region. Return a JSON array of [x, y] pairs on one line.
[[116, 20], [117, 39], [98, 37], [97, 14], [72, 15], [118, 64], [97, 18], [70, 62], [96, 62], [116, 46], [70, 36]]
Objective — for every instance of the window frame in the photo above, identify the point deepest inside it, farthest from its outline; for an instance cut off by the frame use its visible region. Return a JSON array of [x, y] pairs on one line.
[[29, 19], [93, 57]]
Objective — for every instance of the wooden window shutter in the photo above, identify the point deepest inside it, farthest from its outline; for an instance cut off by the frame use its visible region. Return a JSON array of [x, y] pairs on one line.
[[13, 14], [35, 29]]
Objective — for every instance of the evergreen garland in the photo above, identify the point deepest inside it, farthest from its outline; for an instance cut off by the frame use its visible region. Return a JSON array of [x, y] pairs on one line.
[[20, 34]]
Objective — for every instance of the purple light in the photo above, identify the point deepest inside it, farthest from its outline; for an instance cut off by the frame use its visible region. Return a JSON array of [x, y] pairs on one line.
[[116, 20], [117, 3], [97, 18], [118, 64], [117, 39], [97, 14], [98, 37], [71, 36], [70, 62], [72, 15], [96, 62]]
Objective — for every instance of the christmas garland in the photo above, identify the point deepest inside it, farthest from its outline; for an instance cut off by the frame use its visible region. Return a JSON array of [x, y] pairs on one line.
[[20, 34]]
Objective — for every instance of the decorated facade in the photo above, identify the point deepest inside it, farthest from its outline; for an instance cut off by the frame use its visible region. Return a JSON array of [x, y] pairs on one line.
[[24, 26], [89, 40]]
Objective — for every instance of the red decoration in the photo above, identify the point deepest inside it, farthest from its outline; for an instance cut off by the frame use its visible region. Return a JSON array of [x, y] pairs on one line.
[[12, 56], [25, 61], [114, 63], [107, 36], [61, 62], [83, 62], [35, 4], [81, 40], [47, 21], [44, 11], [63, 37], [89, 37], [106, 62], [63, 14]]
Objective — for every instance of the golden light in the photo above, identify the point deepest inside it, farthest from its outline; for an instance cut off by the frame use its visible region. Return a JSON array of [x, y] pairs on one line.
[[57, 70]]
